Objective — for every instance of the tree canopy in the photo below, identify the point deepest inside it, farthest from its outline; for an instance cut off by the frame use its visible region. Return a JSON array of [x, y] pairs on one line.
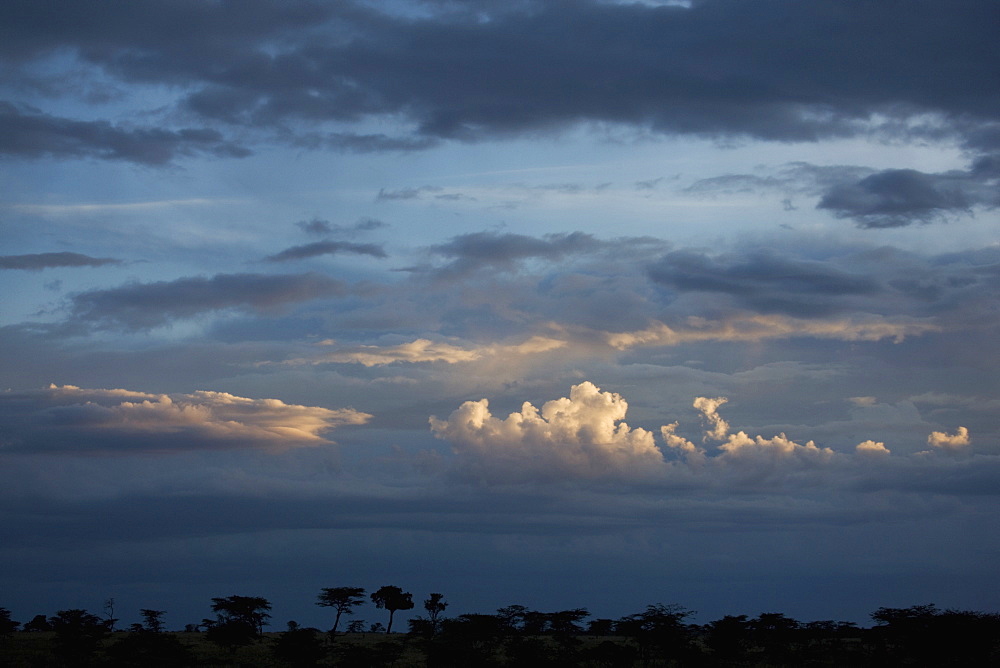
[[251, 610], [342, 600], [392, 598]]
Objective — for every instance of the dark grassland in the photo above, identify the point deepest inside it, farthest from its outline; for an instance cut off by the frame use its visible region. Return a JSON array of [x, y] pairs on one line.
[[920, 636]]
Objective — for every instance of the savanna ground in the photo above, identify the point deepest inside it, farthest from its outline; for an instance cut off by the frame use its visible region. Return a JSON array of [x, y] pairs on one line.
[[920, 636]]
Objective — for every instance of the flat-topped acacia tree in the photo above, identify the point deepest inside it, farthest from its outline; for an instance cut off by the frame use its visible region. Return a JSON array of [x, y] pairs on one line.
[[249, 610], [341, 599], [392, 599]]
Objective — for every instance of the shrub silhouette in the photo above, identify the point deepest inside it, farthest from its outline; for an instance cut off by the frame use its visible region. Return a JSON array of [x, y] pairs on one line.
[[299, 647], [78, 634]]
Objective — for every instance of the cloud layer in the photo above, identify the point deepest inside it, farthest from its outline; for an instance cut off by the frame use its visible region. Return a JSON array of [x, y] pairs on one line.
[[799, 84], [81, 421], [36, 135], [140, 306], [436, 69]]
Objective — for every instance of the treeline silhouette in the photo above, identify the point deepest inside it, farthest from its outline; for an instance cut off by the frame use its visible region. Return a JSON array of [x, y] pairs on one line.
[[660, 635]]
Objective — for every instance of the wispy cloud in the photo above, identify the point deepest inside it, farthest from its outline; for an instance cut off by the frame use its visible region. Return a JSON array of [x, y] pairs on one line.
[[319, 226], [139, 306], [763, 327], [326, 248], [111, 207], [425, 350], [39, 261]]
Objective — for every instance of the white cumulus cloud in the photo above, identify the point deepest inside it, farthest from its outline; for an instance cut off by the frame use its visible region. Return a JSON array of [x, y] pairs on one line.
[[742, 445], [957, 441], [709, 408], [580, 436], [870, 447]]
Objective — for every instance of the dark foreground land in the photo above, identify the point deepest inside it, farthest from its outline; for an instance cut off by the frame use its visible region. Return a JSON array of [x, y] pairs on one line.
[[921, 636]]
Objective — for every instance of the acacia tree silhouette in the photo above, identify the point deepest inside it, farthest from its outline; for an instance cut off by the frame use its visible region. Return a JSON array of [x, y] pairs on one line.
[[434, 605], [341, 599], [152, 620], [392, 599], [240, 620], [250, 610]]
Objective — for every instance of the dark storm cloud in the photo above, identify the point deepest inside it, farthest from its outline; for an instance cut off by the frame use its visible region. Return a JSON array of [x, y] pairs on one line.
[[763, 280], [778, 70], [781, 70], [873, 199], [139, 306], [38, 261], [326, 248], [899, 197], [38, 135], [956, 290]]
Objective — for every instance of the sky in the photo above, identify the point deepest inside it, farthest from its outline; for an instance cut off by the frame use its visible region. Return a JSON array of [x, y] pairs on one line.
[[553, 303]]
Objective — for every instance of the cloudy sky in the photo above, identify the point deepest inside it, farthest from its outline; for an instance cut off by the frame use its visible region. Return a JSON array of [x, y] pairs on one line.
[[556, 303]]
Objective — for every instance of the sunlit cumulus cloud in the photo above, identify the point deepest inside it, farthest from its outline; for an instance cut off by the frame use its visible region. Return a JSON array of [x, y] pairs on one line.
[[584, 437], [870, 447], [957, 441], [580, 436], [78, 420], [740, 446], [710, 410]]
